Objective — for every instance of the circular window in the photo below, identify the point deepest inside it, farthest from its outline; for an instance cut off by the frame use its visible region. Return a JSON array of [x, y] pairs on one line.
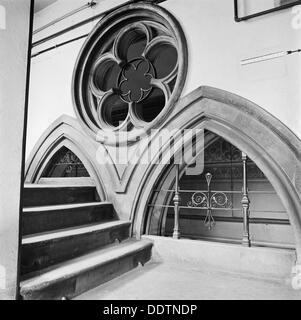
[[130, 72]]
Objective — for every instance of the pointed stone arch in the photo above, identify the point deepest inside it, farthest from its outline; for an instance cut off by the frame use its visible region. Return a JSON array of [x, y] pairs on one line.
[[64, 132], [267, 141]]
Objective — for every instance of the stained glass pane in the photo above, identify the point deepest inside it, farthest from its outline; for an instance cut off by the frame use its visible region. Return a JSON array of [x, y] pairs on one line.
[[65, 164]]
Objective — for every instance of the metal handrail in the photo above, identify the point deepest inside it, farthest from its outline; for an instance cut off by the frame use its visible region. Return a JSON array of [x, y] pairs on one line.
[[65, 16], [215, 209], [80, 24]]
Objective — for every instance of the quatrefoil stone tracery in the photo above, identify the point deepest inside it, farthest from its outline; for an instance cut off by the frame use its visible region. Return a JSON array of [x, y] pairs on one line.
[[129, 73], [144, 72], [140, 67]]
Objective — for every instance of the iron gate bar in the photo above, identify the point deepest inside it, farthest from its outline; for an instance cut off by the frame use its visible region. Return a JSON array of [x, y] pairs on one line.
[[217, 209], [245, 204], [235, 219], [177, 201], [225, 191]]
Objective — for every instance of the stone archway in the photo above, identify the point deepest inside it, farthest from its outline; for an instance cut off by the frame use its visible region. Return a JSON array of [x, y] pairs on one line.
[[64, 132], [267, 141]]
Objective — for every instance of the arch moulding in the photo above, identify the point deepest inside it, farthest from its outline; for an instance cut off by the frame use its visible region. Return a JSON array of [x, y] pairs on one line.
[[65, 131], [268, 142]]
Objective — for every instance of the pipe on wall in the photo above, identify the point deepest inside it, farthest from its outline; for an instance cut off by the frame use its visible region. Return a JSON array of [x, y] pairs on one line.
[[80, 24], [65, 16]]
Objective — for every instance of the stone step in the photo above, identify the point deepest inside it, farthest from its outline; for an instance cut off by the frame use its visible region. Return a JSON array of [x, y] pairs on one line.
[[46, 195], [76, 276], [48, 218], [43, 250]]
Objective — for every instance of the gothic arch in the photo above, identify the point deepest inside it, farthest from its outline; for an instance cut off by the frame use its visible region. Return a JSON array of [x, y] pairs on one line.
[[267, 141], [64, 132]]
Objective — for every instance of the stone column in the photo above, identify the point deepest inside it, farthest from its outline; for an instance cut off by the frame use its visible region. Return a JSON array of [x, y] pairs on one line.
[[15, 22]]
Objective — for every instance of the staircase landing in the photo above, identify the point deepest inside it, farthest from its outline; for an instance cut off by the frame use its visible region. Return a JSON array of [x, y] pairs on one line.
[[171, 281], [196, 270]]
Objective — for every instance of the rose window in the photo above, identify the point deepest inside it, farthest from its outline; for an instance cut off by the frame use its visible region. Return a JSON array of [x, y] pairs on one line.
[[131, 71]]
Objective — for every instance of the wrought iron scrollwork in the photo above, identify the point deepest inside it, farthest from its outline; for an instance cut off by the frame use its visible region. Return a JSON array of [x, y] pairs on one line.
[[198, 199], [210, 201]]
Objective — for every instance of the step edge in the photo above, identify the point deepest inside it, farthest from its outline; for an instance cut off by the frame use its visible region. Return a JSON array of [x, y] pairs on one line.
[[55, 186], [77, 231], [60, 207], [29, 284]]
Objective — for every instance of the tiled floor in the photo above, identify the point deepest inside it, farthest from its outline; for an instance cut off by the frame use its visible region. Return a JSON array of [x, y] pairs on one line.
[[165, 281]]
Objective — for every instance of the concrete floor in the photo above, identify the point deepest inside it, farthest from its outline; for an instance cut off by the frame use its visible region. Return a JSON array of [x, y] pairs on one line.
[[168, 281]]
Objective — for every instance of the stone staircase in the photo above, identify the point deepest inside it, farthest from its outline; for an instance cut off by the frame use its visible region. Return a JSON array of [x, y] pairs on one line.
[[72, 242]]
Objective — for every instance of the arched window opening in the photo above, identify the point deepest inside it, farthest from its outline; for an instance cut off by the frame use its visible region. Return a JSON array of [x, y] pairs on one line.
[[65, 164], [219, 188]]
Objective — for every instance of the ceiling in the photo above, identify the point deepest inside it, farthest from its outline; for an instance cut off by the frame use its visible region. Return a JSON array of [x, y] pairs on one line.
[[41, 4]]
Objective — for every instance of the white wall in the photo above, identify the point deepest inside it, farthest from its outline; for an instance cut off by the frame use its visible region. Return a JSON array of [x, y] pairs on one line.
[[51, 72], [13, 71], [216, 46], [50, 93]]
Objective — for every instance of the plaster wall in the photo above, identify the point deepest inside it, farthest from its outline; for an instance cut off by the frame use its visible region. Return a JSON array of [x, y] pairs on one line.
[[216, 45], [13, 71]]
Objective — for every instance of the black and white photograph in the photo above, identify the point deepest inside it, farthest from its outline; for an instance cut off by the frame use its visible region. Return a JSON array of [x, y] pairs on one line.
[[150, 153]]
